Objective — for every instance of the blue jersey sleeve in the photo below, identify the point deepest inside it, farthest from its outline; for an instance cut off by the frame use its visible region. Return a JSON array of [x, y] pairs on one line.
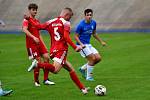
[[78, 29]]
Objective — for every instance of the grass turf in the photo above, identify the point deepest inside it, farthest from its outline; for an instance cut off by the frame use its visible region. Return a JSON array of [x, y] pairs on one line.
[[124, 70]]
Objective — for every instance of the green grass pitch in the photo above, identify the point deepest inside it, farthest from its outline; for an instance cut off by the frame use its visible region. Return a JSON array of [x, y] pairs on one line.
[[124, 70]]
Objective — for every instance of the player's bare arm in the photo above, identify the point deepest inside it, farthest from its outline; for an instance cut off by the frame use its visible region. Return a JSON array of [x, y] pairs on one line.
[[25, 29], [99, 39], [78, 40]]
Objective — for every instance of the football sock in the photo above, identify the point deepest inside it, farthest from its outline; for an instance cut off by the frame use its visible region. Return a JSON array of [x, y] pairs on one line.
[[84, 67], [46, 72], [76, 80], [89, 71], [36, 74], [46, 66]]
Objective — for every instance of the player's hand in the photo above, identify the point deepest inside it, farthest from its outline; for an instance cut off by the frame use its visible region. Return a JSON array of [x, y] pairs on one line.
[[36, 40], [78, 48], [83, 46], [104, 43]]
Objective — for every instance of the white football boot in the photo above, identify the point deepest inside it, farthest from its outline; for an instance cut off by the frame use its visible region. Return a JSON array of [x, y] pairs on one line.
[[33, 65], [85, 90], [48, 82], [37, 84]]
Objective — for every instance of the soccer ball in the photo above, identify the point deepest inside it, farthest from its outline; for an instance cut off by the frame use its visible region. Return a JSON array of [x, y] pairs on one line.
[[100, 90]]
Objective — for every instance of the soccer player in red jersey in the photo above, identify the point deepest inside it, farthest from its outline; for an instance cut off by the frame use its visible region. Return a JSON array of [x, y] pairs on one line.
[[59, 30], [35, 45]]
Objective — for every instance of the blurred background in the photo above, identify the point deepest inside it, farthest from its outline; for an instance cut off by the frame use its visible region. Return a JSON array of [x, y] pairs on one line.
[[111, 15]]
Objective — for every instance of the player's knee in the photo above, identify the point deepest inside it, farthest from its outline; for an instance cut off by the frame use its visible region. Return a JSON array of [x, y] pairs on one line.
[[56, 71], [94, 59], [46, 57], [98, 59]]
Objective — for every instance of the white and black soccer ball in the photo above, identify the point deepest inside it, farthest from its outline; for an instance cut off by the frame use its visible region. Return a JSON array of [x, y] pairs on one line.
[[100, 90]]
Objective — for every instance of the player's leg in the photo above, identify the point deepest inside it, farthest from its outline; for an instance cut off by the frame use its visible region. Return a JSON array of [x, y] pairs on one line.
[[74, 77], [90, 65], [36, 73], [92, 58], [33, 54], [46, 71], [97, 58], [55, 67], [58, 58], [86, 69]]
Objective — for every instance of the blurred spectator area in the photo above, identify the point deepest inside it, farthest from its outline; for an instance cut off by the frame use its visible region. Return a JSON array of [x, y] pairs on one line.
[[110, 14]]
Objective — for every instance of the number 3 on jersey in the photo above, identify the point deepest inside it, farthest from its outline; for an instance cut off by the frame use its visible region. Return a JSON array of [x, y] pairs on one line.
[[57, 35]]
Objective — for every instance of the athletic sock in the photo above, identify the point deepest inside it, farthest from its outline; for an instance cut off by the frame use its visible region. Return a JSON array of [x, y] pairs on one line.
[[89, 71], [46, 72], [47, 66], [36, 74], [84, 67], [76, 80]]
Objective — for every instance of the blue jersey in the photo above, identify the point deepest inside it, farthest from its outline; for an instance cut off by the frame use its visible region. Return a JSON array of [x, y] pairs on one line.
[[85, 31]]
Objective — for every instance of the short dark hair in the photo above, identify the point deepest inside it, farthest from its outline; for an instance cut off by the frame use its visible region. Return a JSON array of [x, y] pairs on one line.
[[32, 6], [87, 11]]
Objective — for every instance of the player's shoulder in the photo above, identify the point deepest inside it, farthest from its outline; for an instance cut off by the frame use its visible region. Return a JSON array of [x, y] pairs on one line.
[[81, 23], [52, 20], [65, 22], [25, 20], [93, 21]]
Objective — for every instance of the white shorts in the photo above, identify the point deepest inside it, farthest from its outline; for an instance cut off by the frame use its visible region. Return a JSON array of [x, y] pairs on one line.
[[89, 49]]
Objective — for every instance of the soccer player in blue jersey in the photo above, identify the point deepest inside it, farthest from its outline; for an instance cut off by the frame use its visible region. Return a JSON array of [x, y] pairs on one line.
[[84, 30]]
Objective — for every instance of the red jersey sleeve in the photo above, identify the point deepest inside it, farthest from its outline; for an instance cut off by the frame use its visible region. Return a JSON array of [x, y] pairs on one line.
[[25, 23], [38, 25], [67, 36], [67, 26]]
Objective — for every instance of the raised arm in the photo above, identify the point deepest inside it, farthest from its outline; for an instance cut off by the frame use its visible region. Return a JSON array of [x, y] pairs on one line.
[[38, 25]]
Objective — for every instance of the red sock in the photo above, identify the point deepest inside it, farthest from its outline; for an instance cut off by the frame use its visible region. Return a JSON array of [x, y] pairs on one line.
[[46, 72], [76, 80], [36, 74], [47, 66]]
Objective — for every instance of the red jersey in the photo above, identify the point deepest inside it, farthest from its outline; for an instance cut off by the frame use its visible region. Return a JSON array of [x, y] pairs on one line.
[[33, 30], [59, 30], [56, 30]]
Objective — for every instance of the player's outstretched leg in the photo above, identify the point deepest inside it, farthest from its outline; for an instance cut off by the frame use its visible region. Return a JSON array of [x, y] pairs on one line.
[[76, 80]]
